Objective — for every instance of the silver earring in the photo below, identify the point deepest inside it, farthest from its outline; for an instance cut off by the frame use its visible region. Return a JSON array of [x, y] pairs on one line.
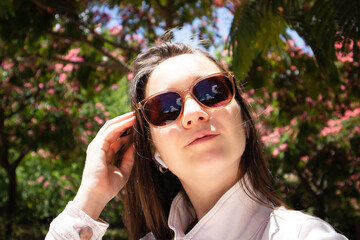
[[162, 166]]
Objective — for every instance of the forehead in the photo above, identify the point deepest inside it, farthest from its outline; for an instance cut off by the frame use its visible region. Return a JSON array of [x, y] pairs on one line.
[[179, 72]]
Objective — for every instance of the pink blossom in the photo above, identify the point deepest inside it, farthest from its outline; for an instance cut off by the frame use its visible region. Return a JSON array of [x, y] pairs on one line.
[[73, 55], [88, 125], [345, 58], [99, 105], [293, 67], [276, 152], [50, 91], [98, 120], [37, 74], [46, 184], [114, 86], [115, 30], [27, 85], [260, 100], [291, 43], [98, 88], [219, 3], [356, 130], [58, 67], [41, 85], [326, 131], [283, 146], [353, 113], [338, 45], [40, 179], [68, 68], [268, 110], [223, 62], [62, 78], [130, 76], [68, 188], [84, 140], [7, 64], [250, 100], [305, 158], [333, 123]]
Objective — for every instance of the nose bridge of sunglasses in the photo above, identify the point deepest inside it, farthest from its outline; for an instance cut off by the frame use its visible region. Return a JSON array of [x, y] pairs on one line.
[[190, 96]]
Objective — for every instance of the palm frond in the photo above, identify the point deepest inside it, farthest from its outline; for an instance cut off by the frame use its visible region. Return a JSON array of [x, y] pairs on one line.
[[254, 31], [243, 34], [6, 9]]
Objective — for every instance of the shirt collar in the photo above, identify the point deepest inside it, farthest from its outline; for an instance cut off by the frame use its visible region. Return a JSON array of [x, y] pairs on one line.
[[235, 215]]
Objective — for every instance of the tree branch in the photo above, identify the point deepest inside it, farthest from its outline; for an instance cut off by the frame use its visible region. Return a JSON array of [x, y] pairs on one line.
[[4, 158], [21, 156], [118, 64], [95, 34], [166, 12], [23, 103], [305, 182], [90, 64]]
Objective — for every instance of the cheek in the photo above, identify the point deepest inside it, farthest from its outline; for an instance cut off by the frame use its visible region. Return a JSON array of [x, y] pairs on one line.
[[164, 139], [237, 129]]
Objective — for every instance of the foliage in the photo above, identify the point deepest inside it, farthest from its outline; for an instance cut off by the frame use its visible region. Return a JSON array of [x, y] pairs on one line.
[[260, 25], [311, 134], [59, 67], [65, 71]]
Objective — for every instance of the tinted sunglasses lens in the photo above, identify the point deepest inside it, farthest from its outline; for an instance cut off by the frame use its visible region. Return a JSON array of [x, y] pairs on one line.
[[163, 108], [214, 91]]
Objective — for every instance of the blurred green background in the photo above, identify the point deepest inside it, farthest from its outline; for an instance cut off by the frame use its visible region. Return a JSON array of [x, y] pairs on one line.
[[65, 69]]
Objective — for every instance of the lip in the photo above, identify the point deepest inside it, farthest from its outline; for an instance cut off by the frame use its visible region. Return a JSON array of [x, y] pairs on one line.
[[201, 136]]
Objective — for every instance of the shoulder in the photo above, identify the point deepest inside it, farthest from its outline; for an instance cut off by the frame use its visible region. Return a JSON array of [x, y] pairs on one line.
[[148, 236], [300, 225]]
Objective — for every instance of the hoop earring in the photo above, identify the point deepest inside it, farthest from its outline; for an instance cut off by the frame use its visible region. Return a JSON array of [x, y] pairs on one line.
[[162, 169], [162, 166]]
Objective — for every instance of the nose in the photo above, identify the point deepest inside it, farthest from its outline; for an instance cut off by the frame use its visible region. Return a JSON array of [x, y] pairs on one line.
[[193, 113]]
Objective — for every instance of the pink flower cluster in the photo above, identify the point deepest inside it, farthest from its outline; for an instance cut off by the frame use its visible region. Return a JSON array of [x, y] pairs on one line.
[[116, 30], [334, 126]]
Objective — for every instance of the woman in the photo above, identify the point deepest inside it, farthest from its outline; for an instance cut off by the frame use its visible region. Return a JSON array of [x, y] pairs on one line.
[[195, 169]]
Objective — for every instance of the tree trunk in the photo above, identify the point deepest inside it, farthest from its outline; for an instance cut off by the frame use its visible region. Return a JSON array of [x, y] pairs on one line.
[[320, 211], [11, 204]]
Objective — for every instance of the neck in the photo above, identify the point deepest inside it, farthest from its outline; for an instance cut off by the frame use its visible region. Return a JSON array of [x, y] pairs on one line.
[[204, 193]]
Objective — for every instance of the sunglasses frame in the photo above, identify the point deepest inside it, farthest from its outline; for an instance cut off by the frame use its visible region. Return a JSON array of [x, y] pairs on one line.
[[230, 75]]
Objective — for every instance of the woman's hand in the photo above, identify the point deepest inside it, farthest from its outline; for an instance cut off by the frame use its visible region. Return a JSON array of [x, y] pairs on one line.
[[101, 180]]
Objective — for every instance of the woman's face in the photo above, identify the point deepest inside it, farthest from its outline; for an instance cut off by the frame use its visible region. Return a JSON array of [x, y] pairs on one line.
[[202, 143]]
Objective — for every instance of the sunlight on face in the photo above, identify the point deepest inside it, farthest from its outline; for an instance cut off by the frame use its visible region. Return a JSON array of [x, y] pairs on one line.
[[218, 133]]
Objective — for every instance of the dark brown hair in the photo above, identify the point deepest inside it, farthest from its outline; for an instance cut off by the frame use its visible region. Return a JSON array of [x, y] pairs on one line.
[[149, 193]]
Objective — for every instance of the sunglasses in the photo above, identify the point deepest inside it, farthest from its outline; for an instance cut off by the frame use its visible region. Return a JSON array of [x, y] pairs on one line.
[[213, 91]]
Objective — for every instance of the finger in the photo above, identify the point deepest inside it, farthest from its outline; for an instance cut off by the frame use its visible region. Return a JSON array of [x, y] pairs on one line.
[[115, 120], [114, 131], [115, 147], [109, 136], [128, 161]]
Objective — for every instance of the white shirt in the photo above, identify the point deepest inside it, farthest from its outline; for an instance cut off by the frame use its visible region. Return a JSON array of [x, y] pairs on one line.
[[237, 216], [234, 216]]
